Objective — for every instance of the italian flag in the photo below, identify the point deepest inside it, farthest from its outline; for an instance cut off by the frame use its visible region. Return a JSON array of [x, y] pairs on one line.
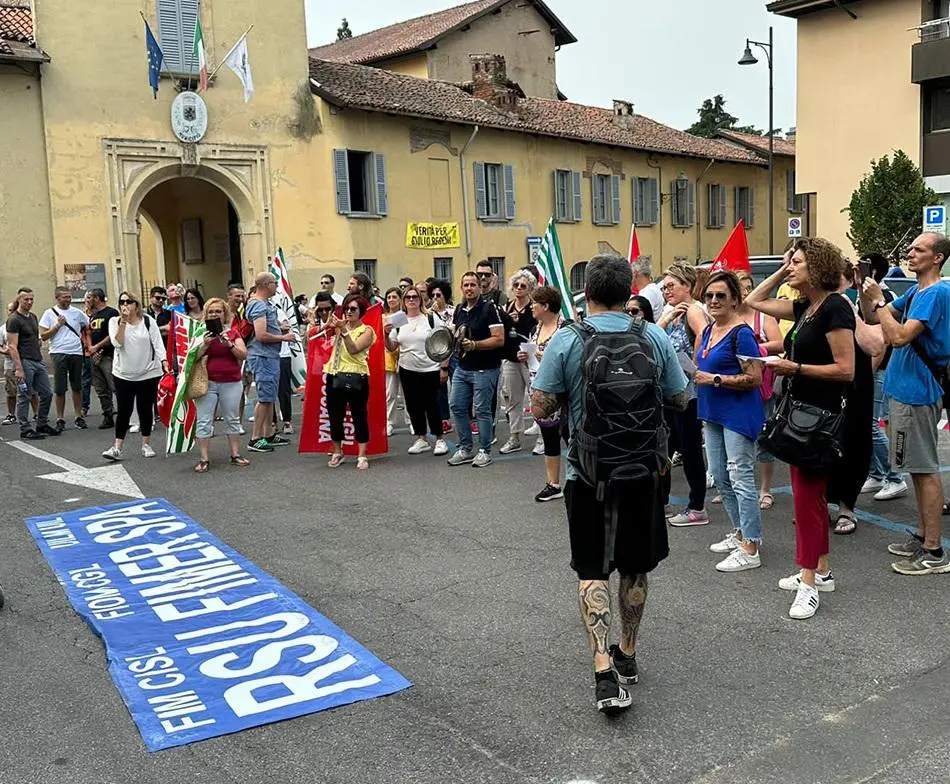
[[199, 55]]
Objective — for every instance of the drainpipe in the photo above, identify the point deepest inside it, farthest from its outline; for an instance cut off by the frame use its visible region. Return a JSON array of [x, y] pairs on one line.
[[465, 218], [659, 185], [699, 222]]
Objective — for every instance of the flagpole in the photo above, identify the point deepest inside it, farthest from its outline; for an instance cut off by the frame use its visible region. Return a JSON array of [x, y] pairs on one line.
[[191, 58], [223, 59]]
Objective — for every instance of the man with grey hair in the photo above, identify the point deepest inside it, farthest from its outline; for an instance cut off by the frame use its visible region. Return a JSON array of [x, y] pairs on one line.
[[917, 325], [65, 328], [642, 270], [635, 540]]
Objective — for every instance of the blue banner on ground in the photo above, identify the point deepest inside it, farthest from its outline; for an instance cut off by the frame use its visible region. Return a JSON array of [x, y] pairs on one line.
[[200, 642]]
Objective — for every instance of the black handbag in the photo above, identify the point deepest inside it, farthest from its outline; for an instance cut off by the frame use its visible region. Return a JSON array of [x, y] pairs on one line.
[[350, 381], [803, 435]]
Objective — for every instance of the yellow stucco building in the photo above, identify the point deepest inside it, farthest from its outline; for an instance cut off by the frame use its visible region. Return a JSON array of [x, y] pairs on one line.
[[339, 155]]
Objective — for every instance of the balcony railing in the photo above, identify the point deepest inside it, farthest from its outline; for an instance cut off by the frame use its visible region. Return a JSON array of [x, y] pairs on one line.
[[934, 30]]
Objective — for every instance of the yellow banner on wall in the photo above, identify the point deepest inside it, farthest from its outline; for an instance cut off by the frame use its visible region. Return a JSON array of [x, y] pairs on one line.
[[424, 236]]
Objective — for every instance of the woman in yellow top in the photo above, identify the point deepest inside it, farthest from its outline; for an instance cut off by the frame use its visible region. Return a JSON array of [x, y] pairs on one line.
[[392, 303], [347, 382]]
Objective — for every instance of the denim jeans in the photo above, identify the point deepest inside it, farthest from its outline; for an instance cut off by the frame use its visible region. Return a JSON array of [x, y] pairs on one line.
[[480, 386], [880, 462], [86, 382], [731, 458], [37, 383]]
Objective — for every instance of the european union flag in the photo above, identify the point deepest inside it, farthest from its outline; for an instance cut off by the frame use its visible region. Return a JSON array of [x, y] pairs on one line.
[[155, 58]]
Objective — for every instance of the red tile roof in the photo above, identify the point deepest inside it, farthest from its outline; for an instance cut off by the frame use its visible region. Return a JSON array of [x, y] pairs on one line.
[[418, 34], [760, 143], [16, 32], [373, 89]]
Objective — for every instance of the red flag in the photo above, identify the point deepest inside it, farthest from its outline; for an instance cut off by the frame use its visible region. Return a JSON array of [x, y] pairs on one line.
[[735, 253], [315, 432], [633, 253]]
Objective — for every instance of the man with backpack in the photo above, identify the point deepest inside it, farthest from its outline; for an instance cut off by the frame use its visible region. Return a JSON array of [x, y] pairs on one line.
[[616, 373], [917, 325]]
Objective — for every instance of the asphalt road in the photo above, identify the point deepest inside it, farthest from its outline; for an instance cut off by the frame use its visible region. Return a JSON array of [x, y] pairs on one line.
[[459, 580]]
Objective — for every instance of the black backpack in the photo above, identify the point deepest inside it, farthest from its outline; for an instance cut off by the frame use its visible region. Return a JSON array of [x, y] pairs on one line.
[[621, 426]]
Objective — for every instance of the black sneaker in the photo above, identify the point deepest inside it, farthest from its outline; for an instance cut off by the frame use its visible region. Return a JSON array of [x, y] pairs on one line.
[[549, 492], [261, 445], [107, 424], [1, 597], [80, 423], [31, 435], [612, 698], [276, 440], [46, 430], [625, 666], [60, 425]]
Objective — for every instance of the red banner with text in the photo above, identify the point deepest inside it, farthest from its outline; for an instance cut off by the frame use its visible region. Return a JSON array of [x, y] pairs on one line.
[[315, 432]]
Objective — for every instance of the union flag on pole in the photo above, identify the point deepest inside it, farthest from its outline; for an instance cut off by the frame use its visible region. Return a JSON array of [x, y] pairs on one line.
[[283, 300], [633, 253], [735, 253], [187, 335]]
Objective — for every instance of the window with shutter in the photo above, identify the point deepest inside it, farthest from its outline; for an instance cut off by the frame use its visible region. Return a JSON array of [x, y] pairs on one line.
[[654, 216], [601, 199], [494, 191], [562, 196], [682, 208], [176, 34], [442, 268], [379, 170], [722, 205], [795, 202], [712, 206], [639, 212], [341, 175], [577, 213], [745, 207], [690, 203], [360, 179], [615, 199], [481, 191], [751, 222], [509, 173]]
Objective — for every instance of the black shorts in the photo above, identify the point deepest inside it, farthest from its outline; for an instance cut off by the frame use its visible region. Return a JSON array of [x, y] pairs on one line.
[[641, 539], [67, 367]]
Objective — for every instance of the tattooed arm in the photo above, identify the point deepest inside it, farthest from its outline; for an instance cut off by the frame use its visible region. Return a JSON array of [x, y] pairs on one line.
[[679, 401], [543, 404]]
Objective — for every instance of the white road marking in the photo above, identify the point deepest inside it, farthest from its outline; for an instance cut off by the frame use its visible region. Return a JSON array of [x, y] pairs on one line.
[[112, 478], [71, 500]]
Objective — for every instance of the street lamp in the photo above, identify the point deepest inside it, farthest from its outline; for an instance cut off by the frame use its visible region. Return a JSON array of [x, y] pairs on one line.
[[749, 59]]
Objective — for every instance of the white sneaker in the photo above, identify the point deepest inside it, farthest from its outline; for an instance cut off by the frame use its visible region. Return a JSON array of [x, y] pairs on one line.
[[738, 561], [538, 447], [482, 459], [288, 429], [133, 428], [872, 485], [824, 584], [891, 490], [441, 448], [727, 545], [389, 430], [147, 450], [112, 453], [420, 446], [710, 482], [511, 445], [241, 430], [805, 604], [534, 430]]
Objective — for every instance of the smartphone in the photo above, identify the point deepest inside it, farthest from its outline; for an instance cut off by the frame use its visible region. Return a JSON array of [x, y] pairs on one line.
[[214, 326], [864, 267]]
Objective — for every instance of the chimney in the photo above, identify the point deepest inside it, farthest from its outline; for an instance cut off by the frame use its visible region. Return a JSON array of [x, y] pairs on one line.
[[490, 81], [623, 114], [791, 133]]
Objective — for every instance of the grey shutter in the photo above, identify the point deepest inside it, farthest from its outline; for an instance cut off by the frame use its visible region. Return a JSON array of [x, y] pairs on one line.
[[509, 175], [341, 173], [737, 211], [189, 18], [674, 203], [576, 193], [559, 209], [600, 210], [615, 198], [169, 35], [382, 197], [711, 211], [751, 207], [481, 197], [722, 205], [654, 201], [690, 203], [790, 190], [637, 202]]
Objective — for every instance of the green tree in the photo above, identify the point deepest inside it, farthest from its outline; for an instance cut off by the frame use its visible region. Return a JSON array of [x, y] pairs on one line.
[[713, 118], [886, 208], [343, 31]]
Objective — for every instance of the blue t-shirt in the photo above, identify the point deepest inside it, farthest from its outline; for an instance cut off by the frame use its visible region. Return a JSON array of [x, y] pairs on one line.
[[908, 379], [739, 410], [253, 310], [561, 370]]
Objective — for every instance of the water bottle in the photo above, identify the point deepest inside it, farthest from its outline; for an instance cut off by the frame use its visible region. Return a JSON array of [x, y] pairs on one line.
[[22, 387]]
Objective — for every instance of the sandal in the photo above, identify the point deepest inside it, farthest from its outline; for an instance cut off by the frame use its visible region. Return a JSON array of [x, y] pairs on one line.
[[766, 501], [717, 500], [362, 463], [336, 458], [845, 524], [241, 462], [202, 467]]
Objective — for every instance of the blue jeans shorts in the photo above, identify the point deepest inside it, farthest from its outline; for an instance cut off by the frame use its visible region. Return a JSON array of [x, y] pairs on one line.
[[266, 372]]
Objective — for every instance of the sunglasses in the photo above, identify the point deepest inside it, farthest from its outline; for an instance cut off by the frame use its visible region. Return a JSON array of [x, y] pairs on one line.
[[718, 296], [411, 296], [161, 297], [483, 274], [353, 309], [324, 310], [634, 311], [520, 286], [128, 302], [325, 283], [437, 295]]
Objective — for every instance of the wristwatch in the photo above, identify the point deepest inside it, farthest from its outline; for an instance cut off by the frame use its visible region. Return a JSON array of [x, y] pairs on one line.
[[717, 381], [879, 305]]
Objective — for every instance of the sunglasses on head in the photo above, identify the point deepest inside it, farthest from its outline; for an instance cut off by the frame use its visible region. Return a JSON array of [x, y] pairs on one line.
[[718, 296]]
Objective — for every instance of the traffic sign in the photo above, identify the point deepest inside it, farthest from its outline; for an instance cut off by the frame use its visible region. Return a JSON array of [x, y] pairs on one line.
[[794, 227], [935, 218]]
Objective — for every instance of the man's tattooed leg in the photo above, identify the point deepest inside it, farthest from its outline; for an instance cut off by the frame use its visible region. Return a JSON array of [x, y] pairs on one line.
[[595, 611], [632, 596]]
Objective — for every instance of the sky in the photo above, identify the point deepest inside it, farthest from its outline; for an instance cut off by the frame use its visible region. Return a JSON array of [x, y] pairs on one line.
[[665, 56]]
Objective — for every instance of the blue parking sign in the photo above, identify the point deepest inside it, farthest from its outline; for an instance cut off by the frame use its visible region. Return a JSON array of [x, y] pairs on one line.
[[935, 218]]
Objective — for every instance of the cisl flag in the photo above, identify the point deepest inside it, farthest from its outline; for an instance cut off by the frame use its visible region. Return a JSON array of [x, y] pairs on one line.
[[633, 254], [735, 253]]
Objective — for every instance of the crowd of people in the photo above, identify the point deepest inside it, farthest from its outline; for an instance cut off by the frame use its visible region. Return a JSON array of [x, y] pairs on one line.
[[708, 371]]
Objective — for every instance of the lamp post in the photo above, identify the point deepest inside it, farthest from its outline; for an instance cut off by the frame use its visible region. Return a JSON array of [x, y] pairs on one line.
[[749, 59]]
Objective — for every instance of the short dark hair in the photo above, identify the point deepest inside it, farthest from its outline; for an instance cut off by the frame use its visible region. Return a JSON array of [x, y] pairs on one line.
[[941, 245], [407, 279], [608, 280], [548, 295], [196, 294], [322, 296], [329, 277], [99, 294], [442, 285], [157, 290], [364, 281], [235, 285], [360, 301], [646, 307], [468, 274], [485, 263]]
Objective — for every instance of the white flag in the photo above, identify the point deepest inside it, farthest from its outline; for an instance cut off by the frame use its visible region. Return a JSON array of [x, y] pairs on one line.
[[237, 61]]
